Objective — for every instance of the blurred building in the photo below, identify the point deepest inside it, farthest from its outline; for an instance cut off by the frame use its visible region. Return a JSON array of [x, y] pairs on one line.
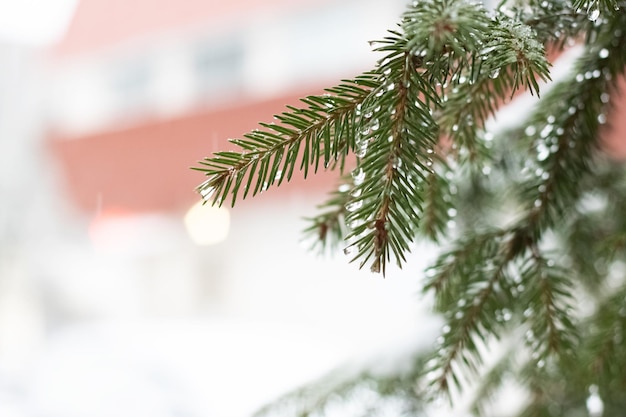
[[108, 305], [142, 90]]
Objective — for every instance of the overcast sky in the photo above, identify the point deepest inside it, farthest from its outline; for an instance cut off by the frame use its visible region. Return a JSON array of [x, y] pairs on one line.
[[34, 22]]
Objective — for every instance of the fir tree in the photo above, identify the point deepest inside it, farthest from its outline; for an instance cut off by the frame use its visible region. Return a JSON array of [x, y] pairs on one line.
[[530, 220]]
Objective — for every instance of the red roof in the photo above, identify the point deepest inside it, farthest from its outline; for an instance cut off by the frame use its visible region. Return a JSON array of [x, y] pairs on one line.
[[147, 168]]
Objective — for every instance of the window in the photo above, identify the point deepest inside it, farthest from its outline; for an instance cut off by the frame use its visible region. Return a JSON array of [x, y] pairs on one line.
[[219, 66], [131, 85]]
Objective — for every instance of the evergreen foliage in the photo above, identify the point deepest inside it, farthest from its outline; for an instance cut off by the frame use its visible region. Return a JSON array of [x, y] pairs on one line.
[[530, 220]]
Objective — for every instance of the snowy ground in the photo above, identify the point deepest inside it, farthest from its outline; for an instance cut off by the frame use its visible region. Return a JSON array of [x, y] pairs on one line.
[[175, 368]]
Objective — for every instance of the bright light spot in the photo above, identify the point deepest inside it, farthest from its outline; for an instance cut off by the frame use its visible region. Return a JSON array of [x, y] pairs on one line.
[[34, 21], [207, 225], [595, 405]]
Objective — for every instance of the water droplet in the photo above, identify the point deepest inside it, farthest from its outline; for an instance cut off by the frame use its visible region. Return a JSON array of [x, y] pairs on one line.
[[461, 302], [546, 131], [594, 13], [605, 97], [543, 153], [571, 110], [458, 315], [455, 128], [354, 206], [344, 188], [361, 149], [207, 192], [538, 202], [445, 329], [601, 118], [541, 363], [375, 125], [594, 403], [356, 223], [580, 78], [452, 212], [604, 53], [358, 175], [486, 170], [530, 130], [495, 73]]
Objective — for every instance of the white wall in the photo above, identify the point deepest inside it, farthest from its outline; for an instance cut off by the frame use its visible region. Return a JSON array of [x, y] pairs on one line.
[[281, 51]]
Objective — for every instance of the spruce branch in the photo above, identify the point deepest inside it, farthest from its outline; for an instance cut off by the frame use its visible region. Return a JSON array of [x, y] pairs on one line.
[[451, 274], [443, 35], [508, 60], [491, 382], [548, 302], [385, 208], [323, 130], [327, 229], [415, 125], [361, 394], [437, 210], [596, 8], [476, 290], [607, 342], [565, 131], [386, 118], [557, 24]]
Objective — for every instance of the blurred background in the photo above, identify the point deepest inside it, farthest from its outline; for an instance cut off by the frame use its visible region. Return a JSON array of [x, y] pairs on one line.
[[119, 295]]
